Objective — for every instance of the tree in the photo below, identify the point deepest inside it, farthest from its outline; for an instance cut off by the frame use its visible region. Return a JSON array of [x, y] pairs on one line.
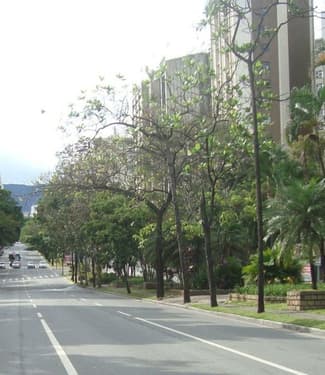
[[166, 137], [117, 164], [306, 140], [11, 219], [295, 219], [115, 220], [223, 158], [169, 124], [235, 16]]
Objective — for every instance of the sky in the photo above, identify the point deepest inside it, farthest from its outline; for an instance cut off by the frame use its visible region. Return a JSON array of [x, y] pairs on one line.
[[53, 49]]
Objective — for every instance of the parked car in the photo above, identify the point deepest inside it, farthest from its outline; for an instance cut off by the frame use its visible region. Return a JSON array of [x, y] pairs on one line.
[[2, 265], [16, 264], [31, 265], [42, 265]]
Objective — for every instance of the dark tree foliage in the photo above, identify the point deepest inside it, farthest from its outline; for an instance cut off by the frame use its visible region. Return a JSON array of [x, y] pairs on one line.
[[11, 219]]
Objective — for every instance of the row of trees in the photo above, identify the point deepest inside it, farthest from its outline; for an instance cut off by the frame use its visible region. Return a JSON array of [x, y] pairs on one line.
[[185, 188], [11, 219], [109, 203]]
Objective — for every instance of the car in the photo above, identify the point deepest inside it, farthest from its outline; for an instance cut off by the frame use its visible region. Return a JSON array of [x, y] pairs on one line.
[[42, 265], [2, 265], [16, 264], [31, 265]]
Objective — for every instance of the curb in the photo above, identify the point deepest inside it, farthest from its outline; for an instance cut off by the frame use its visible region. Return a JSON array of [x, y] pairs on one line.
[[320, 333]]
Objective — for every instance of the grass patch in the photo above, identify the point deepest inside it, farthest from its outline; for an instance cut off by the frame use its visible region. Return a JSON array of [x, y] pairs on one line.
[[137, 292], [274, 312]]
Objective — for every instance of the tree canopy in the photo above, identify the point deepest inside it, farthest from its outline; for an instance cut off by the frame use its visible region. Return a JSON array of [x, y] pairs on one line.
[[11, 219]]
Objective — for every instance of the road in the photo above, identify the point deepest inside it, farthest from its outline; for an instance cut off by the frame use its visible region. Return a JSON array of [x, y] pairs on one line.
[[50, 326]]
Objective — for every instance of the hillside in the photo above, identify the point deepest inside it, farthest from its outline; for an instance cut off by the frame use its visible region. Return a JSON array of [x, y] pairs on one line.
[[26, 196]]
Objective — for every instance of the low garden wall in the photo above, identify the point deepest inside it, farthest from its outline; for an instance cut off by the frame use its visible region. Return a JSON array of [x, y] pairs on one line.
[[254, 298], [298, 300]]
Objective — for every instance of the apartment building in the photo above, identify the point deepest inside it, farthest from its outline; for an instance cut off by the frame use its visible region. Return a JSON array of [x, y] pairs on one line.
[[287, 59], [320, 63], [182, 88], [168, 92]]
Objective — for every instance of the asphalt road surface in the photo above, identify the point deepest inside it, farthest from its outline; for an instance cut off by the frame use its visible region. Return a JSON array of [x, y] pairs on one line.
[[50, 326]]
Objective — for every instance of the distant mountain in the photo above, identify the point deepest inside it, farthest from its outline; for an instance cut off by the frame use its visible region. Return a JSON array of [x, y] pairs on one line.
[[26, 196]]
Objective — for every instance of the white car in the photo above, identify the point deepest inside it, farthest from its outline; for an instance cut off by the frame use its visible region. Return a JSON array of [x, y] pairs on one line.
[[42, 265], [31, 265], [16, 264], [2, 265]]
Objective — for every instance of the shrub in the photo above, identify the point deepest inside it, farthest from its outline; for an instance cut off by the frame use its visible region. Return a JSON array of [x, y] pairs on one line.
[[200, 279], [228, 274], [107, 278], [275, 269], [277, 290]]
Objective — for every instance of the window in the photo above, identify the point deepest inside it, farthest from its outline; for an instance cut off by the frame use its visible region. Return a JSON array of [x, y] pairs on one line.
[[266, 66]]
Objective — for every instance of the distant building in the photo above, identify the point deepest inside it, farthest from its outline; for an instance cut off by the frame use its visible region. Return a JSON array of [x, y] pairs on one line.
[[167, 93], [287, 60]]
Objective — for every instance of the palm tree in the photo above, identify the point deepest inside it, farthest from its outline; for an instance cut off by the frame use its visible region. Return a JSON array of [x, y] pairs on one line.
[[304, 136], [296, 219], [306, 140]]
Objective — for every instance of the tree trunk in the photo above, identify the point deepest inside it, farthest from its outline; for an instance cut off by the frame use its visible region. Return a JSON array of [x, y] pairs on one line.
[[93, 272], [86, 270], [144, 270], [179, 232], [208, 252], [159, 212], [313, 275], [98, 274], [322, 259], [259, 214], [126, 280], [159, 257], [76, 268], [72, 265]]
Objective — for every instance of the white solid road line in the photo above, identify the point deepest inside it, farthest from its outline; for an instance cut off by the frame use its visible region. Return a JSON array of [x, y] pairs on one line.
[[59, 350], [225, 348]]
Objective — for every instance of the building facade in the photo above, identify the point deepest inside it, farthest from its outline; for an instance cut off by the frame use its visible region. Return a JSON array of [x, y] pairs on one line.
[[320, 64], [181, 88], [171, 91], [285, 55]]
